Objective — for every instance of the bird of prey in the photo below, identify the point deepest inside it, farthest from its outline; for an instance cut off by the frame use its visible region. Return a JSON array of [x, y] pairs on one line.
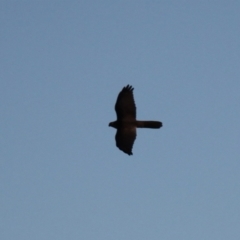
[[126, 122]]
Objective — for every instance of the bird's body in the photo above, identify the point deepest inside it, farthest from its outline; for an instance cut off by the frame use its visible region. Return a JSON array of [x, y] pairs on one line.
[[126, 122]]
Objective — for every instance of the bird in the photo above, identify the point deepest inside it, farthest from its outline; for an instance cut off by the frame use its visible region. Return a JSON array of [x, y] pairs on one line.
[[126, 123]]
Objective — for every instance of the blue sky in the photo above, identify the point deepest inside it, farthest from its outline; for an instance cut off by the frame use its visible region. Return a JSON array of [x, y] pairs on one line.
[[63, 64]]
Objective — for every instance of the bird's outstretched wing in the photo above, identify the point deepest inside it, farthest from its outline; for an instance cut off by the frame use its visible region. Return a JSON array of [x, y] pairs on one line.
[[125, 137], [125, 106]]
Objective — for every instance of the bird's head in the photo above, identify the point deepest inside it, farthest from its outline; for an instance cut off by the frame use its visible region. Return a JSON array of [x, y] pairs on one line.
[[113, 124]]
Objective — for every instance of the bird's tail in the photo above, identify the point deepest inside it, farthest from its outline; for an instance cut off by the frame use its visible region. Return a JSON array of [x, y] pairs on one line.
[[149, 124]]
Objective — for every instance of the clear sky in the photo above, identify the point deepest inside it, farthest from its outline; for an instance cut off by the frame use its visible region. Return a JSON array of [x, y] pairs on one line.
[[63, 64]]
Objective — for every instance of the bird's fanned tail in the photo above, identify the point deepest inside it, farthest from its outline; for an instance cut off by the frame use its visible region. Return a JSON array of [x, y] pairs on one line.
[[149, 124]]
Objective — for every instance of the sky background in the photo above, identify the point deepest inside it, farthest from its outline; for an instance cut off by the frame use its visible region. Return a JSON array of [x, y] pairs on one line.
[[63, 64]]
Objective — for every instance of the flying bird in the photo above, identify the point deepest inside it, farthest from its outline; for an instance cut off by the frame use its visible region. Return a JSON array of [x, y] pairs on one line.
[[126, 122]]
